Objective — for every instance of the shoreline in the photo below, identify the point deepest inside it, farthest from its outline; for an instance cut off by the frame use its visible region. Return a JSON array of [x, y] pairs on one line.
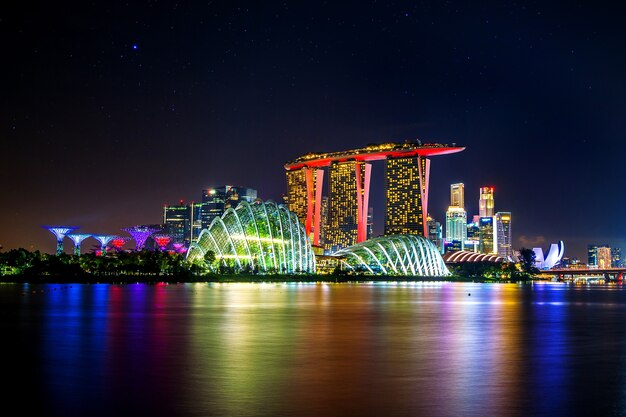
[[237, 278]]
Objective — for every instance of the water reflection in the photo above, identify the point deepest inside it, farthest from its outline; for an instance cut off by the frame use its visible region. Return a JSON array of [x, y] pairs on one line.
[[393, 349]]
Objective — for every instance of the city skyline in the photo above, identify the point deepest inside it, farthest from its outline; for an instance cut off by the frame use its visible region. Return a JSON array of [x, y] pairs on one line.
[[116, 111]]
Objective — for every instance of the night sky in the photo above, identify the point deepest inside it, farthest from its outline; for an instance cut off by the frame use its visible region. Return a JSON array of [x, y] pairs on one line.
[[108, 112]]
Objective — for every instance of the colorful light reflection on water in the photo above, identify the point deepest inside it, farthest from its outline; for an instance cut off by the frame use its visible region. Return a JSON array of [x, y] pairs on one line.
[[392, 349]]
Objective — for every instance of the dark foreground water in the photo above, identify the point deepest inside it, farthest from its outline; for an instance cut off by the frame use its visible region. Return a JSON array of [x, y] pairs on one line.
[[406, 349]]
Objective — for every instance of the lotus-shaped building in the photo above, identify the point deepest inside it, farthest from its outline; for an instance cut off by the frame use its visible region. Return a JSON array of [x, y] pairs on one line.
[[554, 256], [408, 255], [261, 236]]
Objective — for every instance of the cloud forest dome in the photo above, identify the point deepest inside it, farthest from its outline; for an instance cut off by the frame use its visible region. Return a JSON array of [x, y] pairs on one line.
[[263, 236], [408, 255]]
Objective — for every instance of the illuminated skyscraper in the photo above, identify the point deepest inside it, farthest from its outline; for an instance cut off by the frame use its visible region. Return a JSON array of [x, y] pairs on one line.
[[323, 221], [196, 220], [616, 257], [435, 233], [406, 189], [370, 223], [457, 195], [472, 243], [485, 203], [592, 255], [177, 221], [347, 201], [406, 192], [604, 257], [456, 226], [304, 197], [486, 234], [503, 234], [215, 200]]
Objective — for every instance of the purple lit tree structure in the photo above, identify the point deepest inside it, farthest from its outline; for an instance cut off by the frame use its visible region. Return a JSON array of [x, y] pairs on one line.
[[140, 234], [179, 247], [104, 240], [162, 241], [77, 239], [60, 232]]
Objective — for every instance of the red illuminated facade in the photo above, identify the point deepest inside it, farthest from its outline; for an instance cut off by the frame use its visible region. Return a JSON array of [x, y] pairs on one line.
[[305, 177], [162, 241]]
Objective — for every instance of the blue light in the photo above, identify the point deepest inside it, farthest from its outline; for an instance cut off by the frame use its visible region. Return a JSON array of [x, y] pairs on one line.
[[135, 46]]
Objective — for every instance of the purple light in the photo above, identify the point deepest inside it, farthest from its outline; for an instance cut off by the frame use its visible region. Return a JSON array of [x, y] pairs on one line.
[[179, 247], [140, 234]]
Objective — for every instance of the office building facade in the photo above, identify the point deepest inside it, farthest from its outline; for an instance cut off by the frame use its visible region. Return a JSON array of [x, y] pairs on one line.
[[457, 195], [456, 225], [503, 240], [215, 201], [486, 235], [177, 222], [406, 190], [486, 202], [435, 234]]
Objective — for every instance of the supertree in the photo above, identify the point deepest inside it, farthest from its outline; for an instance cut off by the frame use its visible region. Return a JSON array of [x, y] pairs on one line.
[[77, 239], [104, 240], [60, 232], [179, 247], [162, 240], [118, 241], [140, 234]]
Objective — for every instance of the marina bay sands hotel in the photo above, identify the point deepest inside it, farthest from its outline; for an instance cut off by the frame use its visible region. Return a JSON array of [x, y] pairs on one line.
[[341, 218]]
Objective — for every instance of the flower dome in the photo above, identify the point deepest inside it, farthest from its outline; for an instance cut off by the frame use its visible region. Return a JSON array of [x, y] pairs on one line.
[[262, 236], [408, 255]]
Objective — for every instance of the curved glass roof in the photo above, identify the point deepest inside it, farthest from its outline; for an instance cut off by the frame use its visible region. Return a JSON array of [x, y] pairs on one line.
[[262, 236], [467, 256], [409, 255]]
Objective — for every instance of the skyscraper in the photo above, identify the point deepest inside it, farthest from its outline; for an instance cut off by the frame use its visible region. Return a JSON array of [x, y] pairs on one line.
[[604, 257], [215, 200], [592, 255], [304, 197], [345, 203], [485, 203], [456, 226], [457, 195], [456, 219], [406, 188], [177, 222], [370, 223], [616, 257], [406, 191], [196, 220], [485, 231], [503, 234], [473, 236], [434, 233]]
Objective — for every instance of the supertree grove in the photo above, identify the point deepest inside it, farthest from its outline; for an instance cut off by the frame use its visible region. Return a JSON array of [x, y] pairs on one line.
[[60, 232]]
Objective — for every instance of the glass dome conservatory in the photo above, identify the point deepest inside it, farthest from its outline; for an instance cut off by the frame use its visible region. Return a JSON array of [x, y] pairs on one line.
[[408, 255], [261, 236]]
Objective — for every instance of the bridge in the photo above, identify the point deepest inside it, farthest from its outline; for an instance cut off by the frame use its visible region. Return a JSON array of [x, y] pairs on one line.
[[577, 274]]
